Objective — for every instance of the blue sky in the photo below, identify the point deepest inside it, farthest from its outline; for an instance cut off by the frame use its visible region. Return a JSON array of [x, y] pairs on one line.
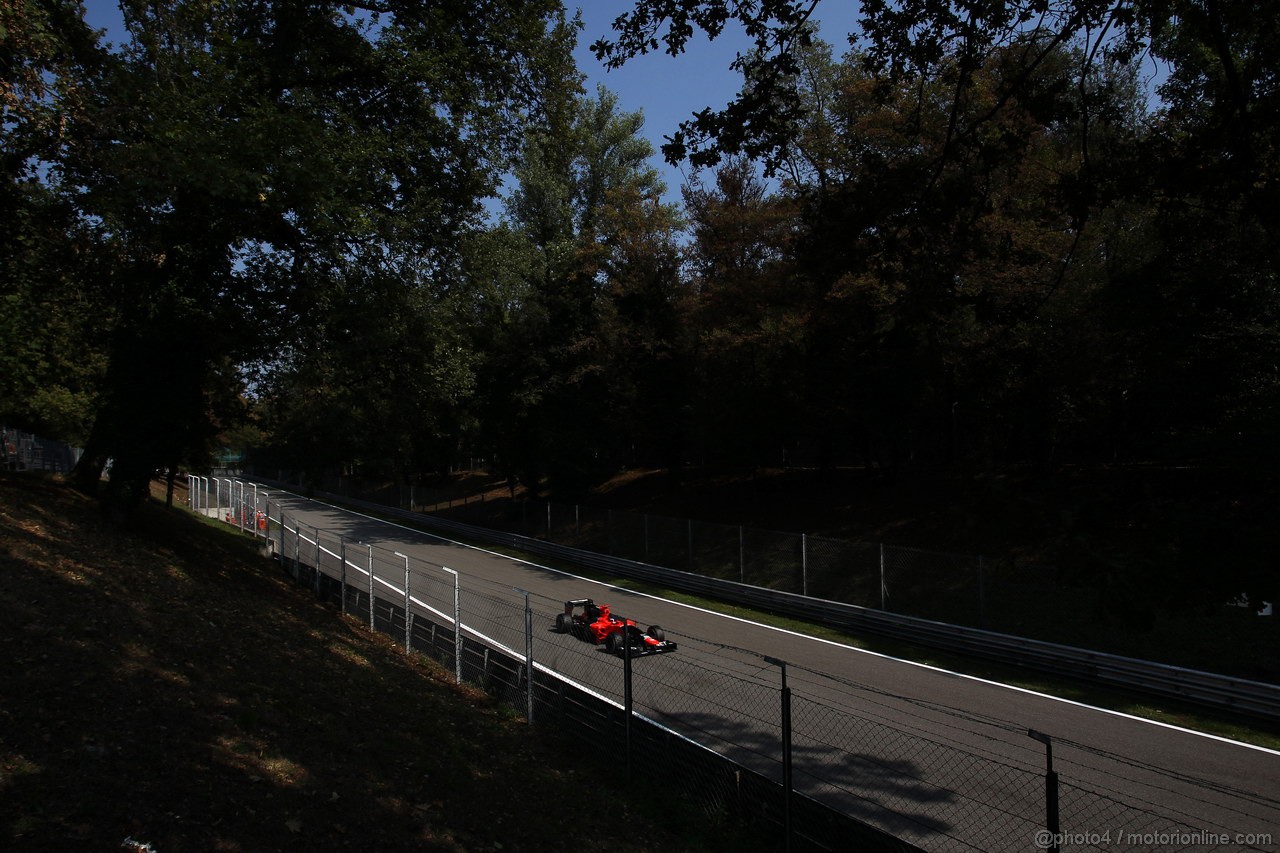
[[670, 89], [666, 89]]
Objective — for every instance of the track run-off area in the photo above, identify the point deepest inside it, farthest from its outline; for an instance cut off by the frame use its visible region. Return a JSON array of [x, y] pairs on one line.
[[942, 760]]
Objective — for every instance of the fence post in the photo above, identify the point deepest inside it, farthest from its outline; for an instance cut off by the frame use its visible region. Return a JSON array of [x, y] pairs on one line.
[[316, 585], [628, 704], [342, 558], [691, 544], [742, 555], [370, 547], [982, 592], [408, 611], [457, 627], [1051, 818], [528, 652], [804, 563], [786, 751], [884, 591]]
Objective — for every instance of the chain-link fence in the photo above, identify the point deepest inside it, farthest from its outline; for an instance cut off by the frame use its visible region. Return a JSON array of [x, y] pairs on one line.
[[23, 451], [911, 581], [814, 761]]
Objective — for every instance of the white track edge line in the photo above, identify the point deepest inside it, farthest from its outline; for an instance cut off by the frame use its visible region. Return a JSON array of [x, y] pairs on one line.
[[925, 666]]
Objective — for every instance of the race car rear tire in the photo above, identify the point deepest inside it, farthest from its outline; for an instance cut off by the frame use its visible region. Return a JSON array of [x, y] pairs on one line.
[[656, 632], [614, 642], [564, 623]]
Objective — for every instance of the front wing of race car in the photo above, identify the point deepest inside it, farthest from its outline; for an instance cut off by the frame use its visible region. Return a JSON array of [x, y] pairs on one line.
[[640, 645]]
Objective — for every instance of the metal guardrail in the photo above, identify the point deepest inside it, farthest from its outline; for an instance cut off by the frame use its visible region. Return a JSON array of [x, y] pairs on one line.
[[1206, 689]]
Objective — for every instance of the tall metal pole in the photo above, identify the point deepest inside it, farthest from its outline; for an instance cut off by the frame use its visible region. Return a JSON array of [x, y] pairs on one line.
[[528, 651], [457, 626], [342, 558], [786, 751], [982, 593], [317, 578], [742, 555], [628, 703], [804, 564], [408, 612], [884, 590], [370, 547]]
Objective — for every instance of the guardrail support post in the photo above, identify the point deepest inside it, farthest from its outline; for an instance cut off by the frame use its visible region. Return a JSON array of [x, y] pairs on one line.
[[1051, 817]]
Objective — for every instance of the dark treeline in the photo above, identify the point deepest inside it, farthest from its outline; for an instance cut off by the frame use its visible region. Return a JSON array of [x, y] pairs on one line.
[[978, 235]]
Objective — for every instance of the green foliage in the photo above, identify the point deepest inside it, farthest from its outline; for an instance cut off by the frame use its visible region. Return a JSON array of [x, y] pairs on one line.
[[579, 347], [240, 170], [987, 242]]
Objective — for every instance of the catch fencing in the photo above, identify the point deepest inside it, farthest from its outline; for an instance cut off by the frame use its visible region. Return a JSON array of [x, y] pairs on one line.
[[810, 761], [917, 582], [26, 452]]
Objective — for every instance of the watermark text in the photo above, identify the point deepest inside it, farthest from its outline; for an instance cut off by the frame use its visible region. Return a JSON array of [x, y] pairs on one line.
[[1046, 840]]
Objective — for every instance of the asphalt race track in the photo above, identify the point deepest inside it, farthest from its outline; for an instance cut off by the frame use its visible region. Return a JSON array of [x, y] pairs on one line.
[[942, 760]]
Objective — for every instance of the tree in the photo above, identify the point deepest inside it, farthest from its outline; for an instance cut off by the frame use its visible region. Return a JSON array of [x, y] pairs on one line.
[[50, 348], [585, 209], [243, 161], [748, 317]]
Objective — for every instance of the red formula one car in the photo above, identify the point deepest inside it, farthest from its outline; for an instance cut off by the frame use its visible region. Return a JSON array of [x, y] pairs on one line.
[[587, 620]]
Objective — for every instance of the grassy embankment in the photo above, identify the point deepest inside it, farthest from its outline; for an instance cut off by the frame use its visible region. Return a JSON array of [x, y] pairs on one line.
[[166, 684]]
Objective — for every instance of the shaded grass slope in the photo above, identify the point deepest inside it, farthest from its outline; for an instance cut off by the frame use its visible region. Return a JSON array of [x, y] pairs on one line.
[[165, 684]]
